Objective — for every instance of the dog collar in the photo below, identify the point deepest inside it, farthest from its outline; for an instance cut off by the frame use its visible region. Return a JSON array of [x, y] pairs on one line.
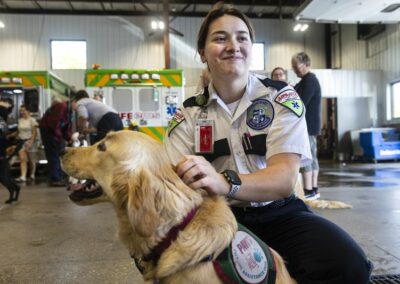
[[171, 236]]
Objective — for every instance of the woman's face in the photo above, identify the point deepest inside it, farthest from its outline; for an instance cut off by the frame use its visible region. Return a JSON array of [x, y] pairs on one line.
[[23, 112], [278, 75], [227, 51]]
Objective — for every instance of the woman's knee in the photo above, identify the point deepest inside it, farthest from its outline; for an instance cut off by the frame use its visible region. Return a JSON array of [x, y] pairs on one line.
[[356, 268]]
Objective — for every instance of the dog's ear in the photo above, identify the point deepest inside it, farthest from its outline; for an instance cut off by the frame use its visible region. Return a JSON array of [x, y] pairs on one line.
[[141, 202]]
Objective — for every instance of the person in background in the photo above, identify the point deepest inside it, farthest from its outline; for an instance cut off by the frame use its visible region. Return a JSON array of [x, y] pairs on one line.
[[98, 97], [309, 91], [5, 175], [55, 131], [27, 135], [93, 117], [244, 137], [278, 74]]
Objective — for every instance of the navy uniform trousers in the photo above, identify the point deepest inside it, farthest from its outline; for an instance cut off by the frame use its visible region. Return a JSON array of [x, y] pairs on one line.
[[315, 250]]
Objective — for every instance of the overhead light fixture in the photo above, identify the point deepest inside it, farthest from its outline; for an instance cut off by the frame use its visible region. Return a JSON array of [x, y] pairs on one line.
[[2, 26], [300, 27], [297, 27], [304, 27], [157, 25], [391, 8]]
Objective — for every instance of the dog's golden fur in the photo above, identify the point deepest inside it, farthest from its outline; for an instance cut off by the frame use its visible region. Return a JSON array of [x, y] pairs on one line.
[[149, 199], [319, 203]]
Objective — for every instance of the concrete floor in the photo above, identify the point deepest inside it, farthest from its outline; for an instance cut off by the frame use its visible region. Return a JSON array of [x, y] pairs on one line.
[[45, 238]]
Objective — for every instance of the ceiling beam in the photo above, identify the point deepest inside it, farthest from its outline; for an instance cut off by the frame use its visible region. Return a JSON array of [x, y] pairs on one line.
[[271, 3], [2, 3], [127, 13], [70, 4], [181, 11], [38, 5]]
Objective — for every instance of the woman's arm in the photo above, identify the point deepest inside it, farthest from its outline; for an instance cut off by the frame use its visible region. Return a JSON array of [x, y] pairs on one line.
[[274, 182], [83, 126]]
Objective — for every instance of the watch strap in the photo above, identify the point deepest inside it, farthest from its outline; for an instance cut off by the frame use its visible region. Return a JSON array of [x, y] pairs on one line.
[[234, 189]]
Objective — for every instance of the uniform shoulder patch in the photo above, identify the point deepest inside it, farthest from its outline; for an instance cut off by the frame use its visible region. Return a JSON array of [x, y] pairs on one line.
[[291, 100], [175, 121]]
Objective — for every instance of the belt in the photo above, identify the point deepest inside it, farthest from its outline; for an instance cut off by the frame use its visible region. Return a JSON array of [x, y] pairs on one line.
[[273, 205]]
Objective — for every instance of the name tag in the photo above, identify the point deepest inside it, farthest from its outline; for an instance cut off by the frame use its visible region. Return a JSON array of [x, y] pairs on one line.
[[204, 136]]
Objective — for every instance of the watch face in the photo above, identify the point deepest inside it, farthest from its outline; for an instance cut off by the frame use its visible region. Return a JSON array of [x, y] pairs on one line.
[[232, 177]]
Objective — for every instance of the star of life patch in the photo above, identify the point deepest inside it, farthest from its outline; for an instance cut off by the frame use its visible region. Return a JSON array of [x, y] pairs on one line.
[[260, 114], [175, 121], [291, 100]]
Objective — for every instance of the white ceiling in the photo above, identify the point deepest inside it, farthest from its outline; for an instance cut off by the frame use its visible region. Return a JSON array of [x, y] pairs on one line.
[[350, 11]]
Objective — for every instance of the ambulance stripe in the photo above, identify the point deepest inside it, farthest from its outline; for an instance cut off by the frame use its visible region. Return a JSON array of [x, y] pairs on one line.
[[30, 81], [154, 132], [96, 80], [40, 80], [174, 79], [89, 79]]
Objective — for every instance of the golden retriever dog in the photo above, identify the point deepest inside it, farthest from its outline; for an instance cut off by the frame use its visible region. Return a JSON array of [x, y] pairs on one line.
[[151, 201], [318, 203]]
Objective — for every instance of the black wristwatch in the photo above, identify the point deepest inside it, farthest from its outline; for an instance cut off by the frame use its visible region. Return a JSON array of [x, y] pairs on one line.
[[234, 180]]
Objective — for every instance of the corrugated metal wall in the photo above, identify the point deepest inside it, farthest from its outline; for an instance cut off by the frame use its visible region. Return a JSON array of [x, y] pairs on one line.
[[124, 42], [278, 36], [380, 52], [112, 42]]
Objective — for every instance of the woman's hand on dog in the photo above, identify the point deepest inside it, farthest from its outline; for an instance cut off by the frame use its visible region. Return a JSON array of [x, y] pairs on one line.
[[198, 173]]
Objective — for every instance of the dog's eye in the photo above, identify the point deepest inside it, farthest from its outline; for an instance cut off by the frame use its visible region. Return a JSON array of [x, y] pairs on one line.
[[101, 147]]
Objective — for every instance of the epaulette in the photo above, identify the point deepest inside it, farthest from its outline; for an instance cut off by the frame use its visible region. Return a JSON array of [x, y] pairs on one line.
[[278, 85], [199, 100]]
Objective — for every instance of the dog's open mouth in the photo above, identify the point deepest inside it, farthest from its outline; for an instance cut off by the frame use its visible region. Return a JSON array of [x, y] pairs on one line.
[[89, 191]]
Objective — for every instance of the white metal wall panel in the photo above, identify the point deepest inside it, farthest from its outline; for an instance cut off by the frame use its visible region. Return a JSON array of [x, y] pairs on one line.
[[112, 42], [354, 52], [355, 56], [124, 42]]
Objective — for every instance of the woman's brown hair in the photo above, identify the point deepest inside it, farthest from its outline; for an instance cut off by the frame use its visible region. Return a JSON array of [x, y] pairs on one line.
[[218, 10]]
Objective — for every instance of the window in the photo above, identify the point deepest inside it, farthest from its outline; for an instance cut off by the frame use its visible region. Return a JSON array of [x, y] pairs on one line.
[[122, 100], [148, 99], [257, 62], [67, 54], [395, 99]]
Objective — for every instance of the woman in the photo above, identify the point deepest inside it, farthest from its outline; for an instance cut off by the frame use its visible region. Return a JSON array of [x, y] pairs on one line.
[[27, 137], [245, 137], [278, 74]]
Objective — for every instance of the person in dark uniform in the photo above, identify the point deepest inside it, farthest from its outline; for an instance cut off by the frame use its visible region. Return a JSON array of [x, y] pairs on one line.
[[5, 175]]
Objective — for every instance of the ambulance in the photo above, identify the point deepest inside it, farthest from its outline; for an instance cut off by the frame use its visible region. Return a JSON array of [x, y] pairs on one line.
[[148, 98], [34, 89]]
